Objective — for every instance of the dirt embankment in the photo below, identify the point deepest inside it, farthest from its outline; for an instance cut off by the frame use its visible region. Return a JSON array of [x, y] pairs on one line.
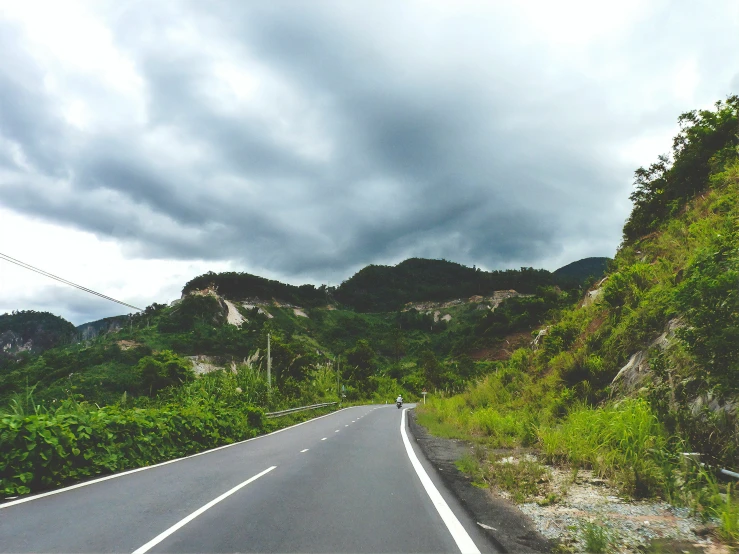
[[503, 350]]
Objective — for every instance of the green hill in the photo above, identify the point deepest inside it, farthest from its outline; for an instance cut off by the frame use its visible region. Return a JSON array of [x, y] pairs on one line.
[[583, 270], [33, 332], [380, 288], [647, 366]]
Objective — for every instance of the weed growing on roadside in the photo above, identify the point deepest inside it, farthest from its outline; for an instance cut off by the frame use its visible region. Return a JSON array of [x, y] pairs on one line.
[[470, 465], [521, 478], [597, 538], [727, 512]]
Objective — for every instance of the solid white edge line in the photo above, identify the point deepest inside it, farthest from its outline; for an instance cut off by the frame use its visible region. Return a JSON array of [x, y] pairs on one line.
[[161, 536], [464, 542], [130, 471]]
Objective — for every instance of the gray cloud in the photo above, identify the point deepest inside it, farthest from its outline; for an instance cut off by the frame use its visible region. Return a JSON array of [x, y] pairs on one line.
[[377, 133]]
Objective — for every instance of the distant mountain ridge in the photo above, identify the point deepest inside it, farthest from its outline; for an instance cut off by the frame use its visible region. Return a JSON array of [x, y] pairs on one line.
[[382, 288], [583, 269], [107, 324]]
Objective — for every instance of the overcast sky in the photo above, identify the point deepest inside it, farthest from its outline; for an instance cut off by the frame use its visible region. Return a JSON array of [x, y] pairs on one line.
[[143, 143]]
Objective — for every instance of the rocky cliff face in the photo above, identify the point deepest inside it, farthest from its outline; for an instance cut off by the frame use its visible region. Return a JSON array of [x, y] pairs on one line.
[[12, 343]]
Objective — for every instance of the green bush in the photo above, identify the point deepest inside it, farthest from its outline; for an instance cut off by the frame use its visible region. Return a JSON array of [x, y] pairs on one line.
[[41, 450], [163, 370]]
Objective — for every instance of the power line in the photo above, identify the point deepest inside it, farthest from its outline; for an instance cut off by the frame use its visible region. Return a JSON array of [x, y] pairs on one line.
[[61, 280]]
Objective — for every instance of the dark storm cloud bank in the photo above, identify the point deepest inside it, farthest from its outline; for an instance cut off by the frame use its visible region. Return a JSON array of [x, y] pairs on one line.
[[479, 159]]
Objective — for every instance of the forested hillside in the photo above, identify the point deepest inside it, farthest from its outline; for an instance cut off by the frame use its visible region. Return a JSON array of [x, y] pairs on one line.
[[646, 367], [431, 344], [381, 288]]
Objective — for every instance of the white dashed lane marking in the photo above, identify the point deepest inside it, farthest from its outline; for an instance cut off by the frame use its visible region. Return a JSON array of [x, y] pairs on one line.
[[304, 450]]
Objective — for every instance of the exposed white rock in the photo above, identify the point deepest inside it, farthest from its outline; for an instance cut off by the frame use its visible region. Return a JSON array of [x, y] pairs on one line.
[[300, 313], [234, 317], [591, 297], [202, 364], [539, 336], [636, 371], [260, 309]]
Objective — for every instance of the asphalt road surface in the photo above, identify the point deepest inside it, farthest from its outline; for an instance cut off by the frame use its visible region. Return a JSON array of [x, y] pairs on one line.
[[346, 482]]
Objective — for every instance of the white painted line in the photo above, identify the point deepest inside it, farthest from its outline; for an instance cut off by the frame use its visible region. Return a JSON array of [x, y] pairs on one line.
[[459, 534], [304, 450], [346, 426], [324, 438], [161, 536], [130, 471], [336, 431]]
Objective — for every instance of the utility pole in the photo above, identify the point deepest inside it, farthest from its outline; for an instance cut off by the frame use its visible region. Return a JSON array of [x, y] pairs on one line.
[[269, 366], [338, 390]]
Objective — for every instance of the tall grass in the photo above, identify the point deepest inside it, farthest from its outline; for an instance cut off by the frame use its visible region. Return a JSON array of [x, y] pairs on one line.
[[624, 441]]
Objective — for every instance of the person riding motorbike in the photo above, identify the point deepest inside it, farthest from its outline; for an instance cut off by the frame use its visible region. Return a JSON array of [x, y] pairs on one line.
[[399, 401]]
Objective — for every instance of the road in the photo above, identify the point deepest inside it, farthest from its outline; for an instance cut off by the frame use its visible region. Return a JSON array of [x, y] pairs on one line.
[[345, 482]]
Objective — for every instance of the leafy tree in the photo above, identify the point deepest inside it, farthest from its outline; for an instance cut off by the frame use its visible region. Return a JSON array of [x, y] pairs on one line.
[[163, 370], [709, 300], [193, 309], [431, 368], [361, 360], [707, 138], [466, 367]]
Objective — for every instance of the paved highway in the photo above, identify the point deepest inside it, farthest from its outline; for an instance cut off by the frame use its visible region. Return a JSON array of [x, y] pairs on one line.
[[346, 482]]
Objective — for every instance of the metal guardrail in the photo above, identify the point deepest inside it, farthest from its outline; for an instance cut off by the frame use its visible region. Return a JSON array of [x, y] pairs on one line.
[[695, 456], [300, 409]]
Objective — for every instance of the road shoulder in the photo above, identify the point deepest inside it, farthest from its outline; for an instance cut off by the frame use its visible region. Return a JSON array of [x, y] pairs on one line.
[[512, 531]]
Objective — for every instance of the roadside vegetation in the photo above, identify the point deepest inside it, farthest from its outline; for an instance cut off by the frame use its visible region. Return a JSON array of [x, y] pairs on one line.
[[646, 368]]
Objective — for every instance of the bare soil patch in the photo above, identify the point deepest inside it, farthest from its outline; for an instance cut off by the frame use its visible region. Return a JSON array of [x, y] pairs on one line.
[[504, 349]]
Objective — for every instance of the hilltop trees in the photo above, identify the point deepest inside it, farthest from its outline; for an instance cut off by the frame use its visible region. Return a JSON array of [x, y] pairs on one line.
[[707, 141]]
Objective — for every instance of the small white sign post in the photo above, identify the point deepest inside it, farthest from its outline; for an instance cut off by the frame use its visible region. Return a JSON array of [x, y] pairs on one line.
[[424, 393]]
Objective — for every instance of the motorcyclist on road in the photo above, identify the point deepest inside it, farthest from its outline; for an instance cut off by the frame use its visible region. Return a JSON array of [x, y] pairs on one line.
[[399, 400]]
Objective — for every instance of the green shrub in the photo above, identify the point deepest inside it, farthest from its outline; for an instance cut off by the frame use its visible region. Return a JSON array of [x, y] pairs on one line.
[[597, 539], [41, 450], [521, 478], [163, 370]]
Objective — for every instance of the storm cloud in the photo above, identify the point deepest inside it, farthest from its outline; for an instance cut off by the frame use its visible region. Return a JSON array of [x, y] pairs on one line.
[[312, 138]]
